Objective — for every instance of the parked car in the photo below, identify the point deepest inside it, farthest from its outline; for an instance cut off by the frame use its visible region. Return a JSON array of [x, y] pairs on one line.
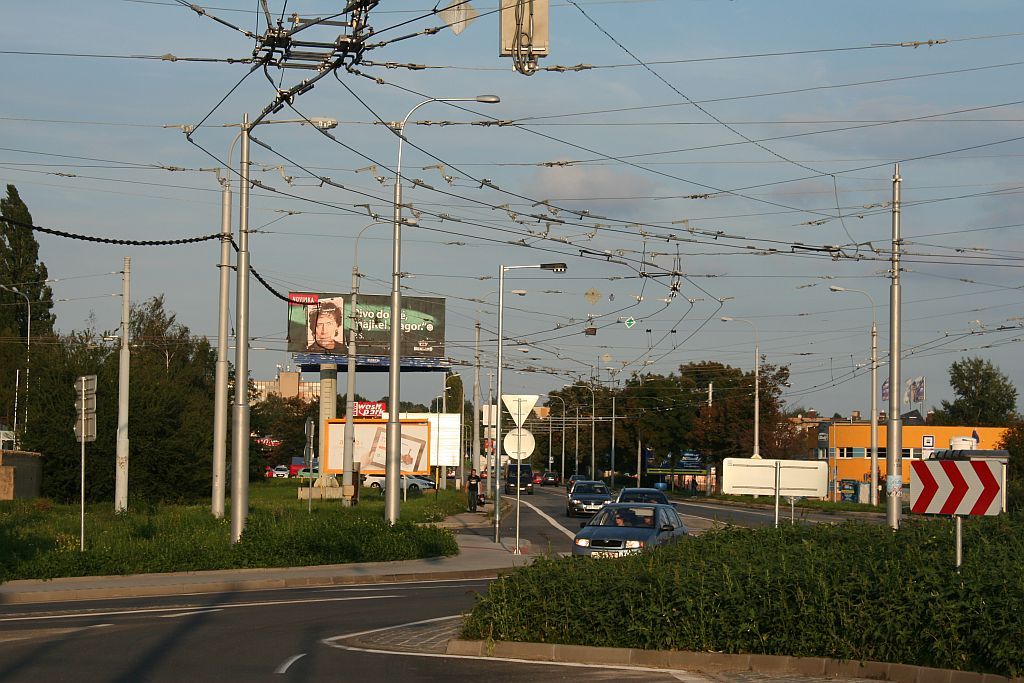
[[410, 482], [281, 472], [268, 472], [625, 528], [586, 498], [549, 478], [307, 473], [635, 495], [573, 479]]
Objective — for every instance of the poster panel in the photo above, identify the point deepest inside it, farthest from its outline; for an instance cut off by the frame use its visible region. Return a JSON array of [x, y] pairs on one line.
[[371, 447]]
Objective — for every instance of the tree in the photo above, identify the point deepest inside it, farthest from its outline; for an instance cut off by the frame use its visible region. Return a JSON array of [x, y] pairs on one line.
[[285, 420], [170, 417], [19, 268], [1013, 442], [985, 397]]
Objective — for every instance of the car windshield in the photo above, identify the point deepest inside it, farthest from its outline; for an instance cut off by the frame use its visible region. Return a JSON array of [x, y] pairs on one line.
[[590, 488], [638, 517]]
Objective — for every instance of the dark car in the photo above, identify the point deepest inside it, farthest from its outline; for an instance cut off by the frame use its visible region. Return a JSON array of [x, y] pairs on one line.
[[586, 498], [625, 528], [549, 478], [573, 479], [634, 495], [524, 474]]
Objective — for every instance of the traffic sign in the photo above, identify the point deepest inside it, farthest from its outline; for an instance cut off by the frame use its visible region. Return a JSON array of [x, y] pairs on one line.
[[955, 487], [519, 444], [86, 383], [86, 425], [519, 406], [749, 476], [630, 322]]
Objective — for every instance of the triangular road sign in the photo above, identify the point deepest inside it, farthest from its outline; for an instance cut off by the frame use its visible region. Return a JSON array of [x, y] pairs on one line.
[[519, 406]]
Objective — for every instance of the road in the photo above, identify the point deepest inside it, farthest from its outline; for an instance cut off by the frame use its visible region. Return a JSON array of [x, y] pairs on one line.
[[299, 633]]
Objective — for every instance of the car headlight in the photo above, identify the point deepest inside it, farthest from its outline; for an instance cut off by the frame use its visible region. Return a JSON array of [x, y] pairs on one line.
[[583, 542], [574, 501], [633, 545]]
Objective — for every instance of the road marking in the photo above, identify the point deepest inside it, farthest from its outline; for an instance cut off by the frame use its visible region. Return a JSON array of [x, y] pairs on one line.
[[688, 676], [155, 610], [283, 668], [190, 613], [549, 518]]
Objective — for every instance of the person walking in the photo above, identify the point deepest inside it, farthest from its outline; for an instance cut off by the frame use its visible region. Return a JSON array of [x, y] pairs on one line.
[[473, 488]]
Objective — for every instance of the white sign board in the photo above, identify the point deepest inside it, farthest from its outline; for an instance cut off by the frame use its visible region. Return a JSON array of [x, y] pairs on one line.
[[519, 444], [445, 431], [747, 476], [519, 406], [371, 447]]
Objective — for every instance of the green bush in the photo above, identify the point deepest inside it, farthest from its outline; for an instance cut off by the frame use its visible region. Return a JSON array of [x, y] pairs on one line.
[[852, 591], [40, 540]]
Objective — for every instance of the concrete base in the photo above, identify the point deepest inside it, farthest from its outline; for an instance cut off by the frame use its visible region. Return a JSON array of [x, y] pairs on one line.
[[319, 493]]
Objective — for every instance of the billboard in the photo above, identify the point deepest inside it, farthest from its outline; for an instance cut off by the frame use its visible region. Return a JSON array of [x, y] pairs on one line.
[[318, 323], [371, 446]]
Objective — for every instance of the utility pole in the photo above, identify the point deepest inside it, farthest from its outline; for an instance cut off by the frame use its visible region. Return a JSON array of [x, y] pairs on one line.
[[220, 392], [476, 401], [240, 409], [894, 423], [347, 476], [123, 368], [613, 441]]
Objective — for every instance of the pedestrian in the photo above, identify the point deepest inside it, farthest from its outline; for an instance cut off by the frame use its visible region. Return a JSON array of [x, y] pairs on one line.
[[473, 487]]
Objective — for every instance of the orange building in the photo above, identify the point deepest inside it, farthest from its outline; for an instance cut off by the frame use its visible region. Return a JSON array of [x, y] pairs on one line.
[[847, 446]]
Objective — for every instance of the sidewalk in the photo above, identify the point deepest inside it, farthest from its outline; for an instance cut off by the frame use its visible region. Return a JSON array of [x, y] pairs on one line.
[[478, 556]]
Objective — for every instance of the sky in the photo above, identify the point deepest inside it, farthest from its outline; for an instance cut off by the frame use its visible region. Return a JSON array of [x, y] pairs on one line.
[[702, 159]]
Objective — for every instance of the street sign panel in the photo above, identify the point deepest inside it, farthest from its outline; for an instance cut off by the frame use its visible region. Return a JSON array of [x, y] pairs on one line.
[[519, 444], [89, 429], [955, 487], [86, 383], [87, 404], [749, 476], [519, 406]]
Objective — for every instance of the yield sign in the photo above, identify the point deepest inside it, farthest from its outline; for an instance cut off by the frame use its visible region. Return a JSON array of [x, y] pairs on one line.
[[955, 487], [519, 406]]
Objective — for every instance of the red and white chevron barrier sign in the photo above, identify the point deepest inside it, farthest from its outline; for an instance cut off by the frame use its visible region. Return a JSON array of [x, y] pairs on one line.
[[955, 487]]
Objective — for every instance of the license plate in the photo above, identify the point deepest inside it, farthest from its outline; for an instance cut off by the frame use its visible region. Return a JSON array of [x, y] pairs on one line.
[[603, 553]]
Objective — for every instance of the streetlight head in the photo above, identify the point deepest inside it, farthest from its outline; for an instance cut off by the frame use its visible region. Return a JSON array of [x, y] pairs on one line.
[[488, 99], [520, 292], [726, 319], [556, 267], [836, 288], [324, 123]]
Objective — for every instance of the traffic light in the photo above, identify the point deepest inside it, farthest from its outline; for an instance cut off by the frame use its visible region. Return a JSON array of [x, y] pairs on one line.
[[85, 408]]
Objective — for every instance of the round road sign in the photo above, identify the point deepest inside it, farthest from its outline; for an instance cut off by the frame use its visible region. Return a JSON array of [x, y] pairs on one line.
[[519, 444]]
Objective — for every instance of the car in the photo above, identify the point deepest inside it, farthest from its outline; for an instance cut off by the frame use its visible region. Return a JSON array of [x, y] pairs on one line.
[[410, 482], [636, 495], [537, 480], [586, 498], [549, 478], [573, 479], [521, 471], [307, 473], [626, 528], [282, 472]]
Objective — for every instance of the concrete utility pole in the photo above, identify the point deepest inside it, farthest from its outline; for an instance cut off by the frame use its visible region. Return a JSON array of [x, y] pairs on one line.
[[220, 392], [894, 423], [328, 404], [476, 400], [240, 408], [123, 368], [612, 483]]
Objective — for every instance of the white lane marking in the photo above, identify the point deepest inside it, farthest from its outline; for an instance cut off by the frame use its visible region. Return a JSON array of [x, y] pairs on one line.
[[283, 668], [155, 610], [549, 518], [689, 676], [190, 613]]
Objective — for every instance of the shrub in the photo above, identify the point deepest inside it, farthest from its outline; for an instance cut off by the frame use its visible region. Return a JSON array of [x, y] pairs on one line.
[[851, 591]]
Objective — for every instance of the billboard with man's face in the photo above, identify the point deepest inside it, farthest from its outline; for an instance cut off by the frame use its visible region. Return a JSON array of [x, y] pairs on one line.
[[318, 323]]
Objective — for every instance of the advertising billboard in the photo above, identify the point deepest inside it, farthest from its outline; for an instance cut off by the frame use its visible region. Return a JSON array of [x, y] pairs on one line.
[[318, 323], [371, 447]]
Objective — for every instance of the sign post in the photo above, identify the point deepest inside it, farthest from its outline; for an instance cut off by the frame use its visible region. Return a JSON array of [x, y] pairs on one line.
[[85, 430], [519, 407]]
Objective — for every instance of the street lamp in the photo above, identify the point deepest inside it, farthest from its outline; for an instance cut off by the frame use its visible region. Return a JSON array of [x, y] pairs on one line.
[[874, 391], [593, 417], [561, 471], [240, 408], [757, 382], [557, 268], [28, 356], [394, 429]]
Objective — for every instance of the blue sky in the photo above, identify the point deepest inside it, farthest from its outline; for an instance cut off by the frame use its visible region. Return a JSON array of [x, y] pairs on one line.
[[768, 190]]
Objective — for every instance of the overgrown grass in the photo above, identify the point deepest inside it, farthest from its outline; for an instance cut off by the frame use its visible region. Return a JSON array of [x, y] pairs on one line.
[[40, 540], [853, 591]]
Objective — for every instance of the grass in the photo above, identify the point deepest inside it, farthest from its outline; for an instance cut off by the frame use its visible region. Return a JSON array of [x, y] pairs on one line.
[[40, 539]]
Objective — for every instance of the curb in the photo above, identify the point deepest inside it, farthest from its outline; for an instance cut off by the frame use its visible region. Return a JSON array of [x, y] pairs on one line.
[[717, 662]]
